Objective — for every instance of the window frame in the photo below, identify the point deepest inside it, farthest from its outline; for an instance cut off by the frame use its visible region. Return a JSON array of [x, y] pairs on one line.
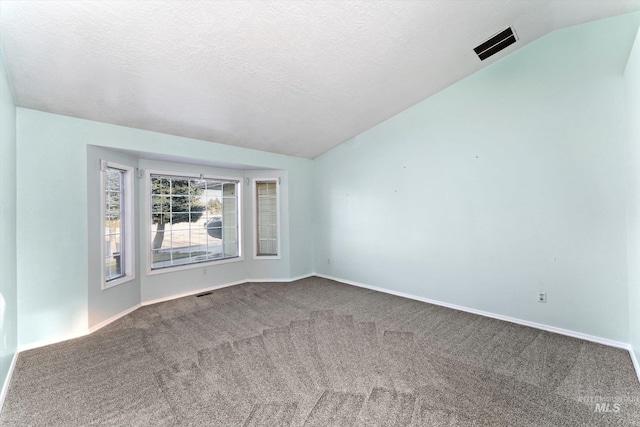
[[128, 218], [149, 223], [254, 187]]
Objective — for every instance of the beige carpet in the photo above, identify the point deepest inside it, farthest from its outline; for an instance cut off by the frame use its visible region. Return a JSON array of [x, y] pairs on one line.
[[315, 353]]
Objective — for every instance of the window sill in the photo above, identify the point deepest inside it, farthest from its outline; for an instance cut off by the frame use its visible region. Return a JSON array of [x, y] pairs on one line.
[[206, 264], [266, 257], [114, 283]]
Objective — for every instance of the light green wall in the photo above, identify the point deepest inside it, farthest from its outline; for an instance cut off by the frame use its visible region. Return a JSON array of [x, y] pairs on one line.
[[53, 240], [508, 182], [632, 80], [8, 282]]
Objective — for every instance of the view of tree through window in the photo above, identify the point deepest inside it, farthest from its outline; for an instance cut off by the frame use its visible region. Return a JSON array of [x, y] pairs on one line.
[[193, 220]]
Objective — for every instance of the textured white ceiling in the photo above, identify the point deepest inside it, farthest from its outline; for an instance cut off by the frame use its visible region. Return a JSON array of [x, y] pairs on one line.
[[291, 77]]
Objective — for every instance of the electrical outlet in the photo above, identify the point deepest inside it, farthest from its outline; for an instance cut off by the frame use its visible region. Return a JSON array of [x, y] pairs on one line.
[[204, 271], [328, 260], [542, 296]]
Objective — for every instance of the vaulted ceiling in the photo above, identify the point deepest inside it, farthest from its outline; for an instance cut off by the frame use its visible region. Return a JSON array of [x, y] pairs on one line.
[[290, 77]]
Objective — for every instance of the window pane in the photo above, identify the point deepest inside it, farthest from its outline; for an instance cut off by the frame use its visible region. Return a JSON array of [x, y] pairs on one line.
[[229, 189], [179, 185], [199, 237], [114, 223], [160, 185], [160, 204], [229, 220], [181, 225], [180, 238], [200, 220], [160, 258]]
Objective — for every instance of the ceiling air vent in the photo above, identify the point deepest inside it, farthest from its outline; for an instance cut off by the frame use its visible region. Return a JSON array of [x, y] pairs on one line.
[[495, 44]]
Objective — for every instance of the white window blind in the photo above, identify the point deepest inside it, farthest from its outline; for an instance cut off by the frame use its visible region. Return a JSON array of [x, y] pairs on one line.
[[267, 218]]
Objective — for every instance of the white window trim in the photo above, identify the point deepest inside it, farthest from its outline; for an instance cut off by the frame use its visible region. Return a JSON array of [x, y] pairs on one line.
[[254, 181], [129, 219], [148, 226]]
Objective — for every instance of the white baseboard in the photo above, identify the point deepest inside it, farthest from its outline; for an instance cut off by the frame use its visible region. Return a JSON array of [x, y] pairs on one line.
[[223, 285], [7, 381], [561, 331], [54, 340], [634, 360], [112, 319], [79, 334], [189, 293], [306, 276]]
